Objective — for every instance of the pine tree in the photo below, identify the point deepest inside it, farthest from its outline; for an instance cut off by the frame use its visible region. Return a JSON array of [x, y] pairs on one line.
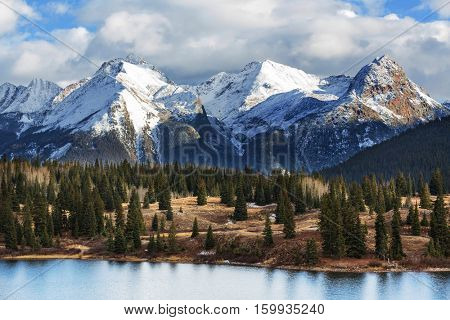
[[260, 198], [240, 210], [289, 222], [396, 250], [172, 238], [119, 218], [439, 228], [311, 254], [425, 198], [300, 206], [99, 209], [151, 197], [162, 224], [164, 194], [410, 215], [424, 221], [267, 232], [355, 236], [28, 232], [120, 243], [436, 183], [134, 221], [169, 214], [159, 242], [155, 223], [151, 247], [381, 249], [201, 193], [415, 223], [195, 232], [209, 241], [9, 226], [146, 203], [280, 211], [40, 210]]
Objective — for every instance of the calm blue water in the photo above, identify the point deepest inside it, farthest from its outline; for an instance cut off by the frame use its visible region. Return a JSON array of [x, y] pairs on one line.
[[75, 279]]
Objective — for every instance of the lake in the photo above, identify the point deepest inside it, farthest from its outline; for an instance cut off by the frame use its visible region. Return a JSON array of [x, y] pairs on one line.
[[81, 279]]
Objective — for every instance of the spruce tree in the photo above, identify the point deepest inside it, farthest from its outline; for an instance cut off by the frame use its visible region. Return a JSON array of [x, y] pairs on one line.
[[169, 214], [99, 209], [134, 221], [260, 199], [40, 210], [155, 224], [300, 206], [195, 232], [201, 193], [9, 227], [146, 203], [415, 223], [151, 247], [424, 221], [311, 254], [209, 241], [439, 228], [410, 215], [172, 241], [162, 224], [159, 242], [289, 222], [240, 210], [425, 198], [396, 249], [151, 194], [355, 236], [165, 194], [436, 183], [267, 232], [120, 242], [28, 232], [280, 211], [381, 249]]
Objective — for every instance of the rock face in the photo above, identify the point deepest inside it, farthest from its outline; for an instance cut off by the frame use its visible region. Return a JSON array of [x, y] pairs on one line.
[[268, 115]]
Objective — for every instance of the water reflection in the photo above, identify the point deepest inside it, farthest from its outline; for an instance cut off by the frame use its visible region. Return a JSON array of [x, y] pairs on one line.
[[74, 279]]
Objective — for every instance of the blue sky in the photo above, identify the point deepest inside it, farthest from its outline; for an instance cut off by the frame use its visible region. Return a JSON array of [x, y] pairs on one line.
[[192, 39]]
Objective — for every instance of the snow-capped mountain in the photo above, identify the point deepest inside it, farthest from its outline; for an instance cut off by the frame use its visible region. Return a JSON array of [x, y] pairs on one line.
[[227, 95], [267, 115], [33, 98]]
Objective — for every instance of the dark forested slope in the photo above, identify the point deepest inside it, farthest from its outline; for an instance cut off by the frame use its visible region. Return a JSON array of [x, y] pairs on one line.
[[415, 151]]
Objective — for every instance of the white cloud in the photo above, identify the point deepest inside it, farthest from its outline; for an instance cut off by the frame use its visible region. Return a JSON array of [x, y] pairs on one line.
[[145, 33], [192, 39], [59, 8], [27, 59], [442, 5], [9, 18], [347, 13]]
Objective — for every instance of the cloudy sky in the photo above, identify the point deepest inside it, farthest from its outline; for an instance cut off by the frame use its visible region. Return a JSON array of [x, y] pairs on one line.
[[192, 39]]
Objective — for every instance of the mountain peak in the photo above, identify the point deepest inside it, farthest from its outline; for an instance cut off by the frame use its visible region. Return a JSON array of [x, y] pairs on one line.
[[135, 59]]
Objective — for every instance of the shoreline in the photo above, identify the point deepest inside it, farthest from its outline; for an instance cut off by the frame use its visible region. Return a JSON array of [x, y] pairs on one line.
[[175, 260]]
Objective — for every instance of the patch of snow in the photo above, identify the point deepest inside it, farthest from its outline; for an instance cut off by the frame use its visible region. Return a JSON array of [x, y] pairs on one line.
[[61, 152]]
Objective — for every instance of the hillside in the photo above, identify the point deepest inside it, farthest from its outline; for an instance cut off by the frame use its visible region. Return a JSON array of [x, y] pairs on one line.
[[415, 151]]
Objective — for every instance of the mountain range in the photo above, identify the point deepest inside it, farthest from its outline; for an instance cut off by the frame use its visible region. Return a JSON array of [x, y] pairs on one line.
[[266, 116]]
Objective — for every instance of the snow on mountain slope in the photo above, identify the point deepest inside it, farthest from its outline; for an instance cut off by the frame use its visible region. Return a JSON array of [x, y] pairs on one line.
[[381, 92], [119, 91], [130, 110], [35, 97], [227, 95], [68, 90], [8, 94]]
